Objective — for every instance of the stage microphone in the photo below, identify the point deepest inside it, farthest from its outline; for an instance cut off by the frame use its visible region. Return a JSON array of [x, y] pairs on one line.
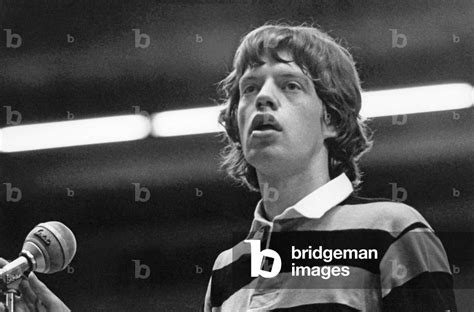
[[48, 248]]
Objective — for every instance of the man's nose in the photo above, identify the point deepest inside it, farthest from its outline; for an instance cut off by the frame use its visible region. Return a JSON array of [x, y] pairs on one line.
[[267, 97]]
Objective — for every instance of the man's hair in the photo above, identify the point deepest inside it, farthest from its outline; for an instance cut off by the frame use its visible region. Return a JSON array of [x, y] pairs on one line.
[[336, 82]]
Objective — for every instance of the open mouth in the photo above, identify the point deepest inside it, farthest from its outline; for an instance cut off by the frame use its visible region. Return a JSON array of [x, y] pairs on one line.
[[264, 123], [264, 128]]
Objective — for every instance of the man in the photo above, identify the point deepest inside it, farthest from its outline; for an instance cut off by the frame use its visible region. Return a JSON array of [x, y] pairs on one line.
[[292, 121], [294, 133]]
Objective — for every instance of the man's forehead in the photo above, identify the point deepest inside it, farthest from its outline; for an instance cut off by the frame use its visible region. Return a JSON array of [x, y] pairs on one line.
[[273, 67]]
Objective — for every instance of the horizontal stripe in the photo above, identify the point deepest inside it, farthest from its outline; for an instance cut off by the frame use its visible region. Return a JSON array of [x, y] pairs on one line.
[[359, 200], [356, 290], [392, 217], [229, 279], [414, 226], [320, 307], [357, 299], [357, 279], [409, 256], [253, 300], [429, 291], [230, 255]]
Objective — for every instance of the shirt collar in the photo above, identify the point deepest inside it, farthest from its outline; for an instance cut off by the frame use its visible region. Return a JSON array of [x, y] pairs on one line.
[[315, 204]]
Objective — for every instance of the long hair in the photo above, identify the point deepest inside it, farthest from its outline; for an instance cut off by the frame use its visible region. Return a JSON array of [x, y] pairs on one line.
[[335, 79]]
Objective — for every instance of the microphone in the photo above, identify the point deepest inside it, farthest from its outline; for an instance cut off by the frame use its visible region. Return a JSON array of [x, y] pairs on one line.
[[48, 248]]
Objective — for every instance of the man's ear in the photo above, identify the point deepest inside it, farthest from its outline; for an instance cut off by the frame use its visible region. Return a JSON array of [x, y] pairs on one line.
[[329, 129]]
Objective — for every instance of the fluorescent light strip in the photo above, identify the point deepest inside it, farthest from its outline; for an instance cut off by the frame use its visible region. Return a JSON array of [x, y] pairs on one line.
[[374, 104], [204, 120], [74, 132], [186, 122], [416, 100]]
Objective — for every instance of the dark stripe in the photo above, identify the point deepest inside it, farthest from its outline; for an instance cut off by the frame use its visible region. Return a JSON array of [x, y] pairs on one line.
[[413, 226], [232, 277], [229, 279], [357, 200], [429, 291], [320, 307]]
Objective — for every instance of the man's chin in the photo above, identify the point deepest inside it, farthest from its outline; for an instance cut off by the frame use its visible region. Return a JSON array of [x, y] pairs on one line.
[[268, 157]]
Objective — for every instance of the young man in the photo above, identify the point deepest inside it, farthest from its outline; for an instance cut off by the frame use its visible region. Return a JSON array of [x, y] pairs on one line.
[[294, 133]]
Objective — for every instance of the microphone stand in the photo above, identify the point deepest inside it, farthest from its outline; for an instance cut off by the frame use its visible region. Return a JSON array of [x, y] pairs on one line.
[[10, 299], [10, 292], [12, 274]]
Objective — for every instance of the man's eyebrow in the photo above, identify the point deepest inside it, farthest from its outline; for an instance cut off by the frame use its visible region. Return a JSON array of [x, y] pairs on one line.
[[300, 76], [251, 77], [247, 77], [295, 75]]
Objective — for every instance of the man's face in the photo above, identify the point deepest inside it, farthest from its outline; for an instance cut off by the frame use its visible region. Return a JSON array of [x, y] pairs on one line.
[[280, 117]]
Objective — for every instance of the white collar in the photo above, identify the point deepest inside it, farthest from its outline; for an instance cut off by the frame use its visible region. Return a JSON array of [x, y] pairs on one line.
[[315, 204]]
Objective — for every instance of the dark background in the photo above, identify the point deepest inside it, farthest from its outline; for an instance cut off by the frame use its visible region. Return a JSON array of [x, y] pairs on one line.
[[194, 210]]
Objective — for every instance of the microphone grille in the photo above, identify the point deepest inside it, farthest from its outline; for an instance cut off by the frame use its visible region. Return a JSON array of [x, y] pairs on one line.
[[53, 246]]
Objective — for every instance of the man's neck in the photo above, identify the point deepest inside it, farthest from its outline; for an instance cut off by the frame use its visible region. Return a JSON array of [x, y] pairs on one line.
[[281, 192]]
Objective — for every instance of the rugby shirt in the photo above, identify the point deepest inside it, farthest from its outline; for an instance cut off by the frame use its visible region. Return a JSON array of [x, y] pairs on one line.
[[411, 272]]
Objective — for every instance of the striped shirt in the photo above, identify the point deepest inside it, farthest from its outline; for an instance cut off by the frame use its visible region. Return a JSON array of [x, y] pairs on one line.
[[410, 273]]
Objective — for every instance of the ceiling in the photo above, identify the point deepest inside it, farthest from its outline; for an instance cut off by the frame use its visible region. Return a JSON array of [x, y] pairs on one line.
[[191, 46]]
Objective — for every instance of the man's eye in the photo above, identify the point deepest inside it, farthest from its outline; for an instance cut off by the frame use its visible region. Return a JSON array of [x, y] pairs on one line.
[[249, 89], [293, 86]]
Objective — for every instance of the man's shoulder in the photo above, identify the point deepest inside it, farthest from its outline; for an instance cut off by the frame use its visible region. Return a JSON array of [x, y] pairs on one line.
[[381, 213], [238, 252]]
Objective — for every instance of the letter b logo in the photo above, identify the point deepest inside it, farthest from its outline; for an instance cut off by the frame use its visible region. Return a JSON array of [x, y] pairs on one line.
[[396, 36], [399, 271], [138, 39], [139, 267], [256, 257], [139, 190]]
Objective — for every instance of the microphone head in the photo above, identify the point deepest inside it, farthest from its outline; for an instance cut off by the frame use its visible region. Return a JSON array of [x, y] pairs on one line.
[[51, 245]]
